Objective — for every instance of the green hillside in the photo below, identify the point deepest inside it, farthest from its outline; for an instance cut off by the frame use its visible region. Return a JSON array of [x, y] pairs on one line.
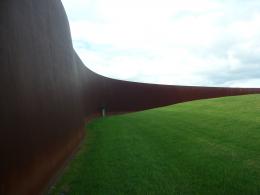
[[200, 147]]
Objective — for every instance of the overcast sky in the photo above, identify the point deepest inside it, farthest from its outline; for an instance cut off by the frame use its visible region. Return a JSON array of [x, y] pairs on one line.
[[181, 42]]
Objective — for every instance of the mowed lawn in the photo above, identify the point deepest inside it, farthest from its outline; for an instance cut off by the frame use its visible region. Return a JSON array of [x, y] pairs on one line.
[[200, 147]]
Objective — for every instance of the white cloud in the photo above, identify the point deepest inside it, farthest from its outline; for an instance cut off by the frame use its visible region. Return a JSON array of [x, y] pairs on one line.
[[203, 42]]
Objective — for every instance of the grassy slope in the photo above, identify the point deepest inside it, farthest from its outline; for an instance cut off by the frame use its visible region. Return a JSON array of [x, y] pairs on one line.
[[201, 147]]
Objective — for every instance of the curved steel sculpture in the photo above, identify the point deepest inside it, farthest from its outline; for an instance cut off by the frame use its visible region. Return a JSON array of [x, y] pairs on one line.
[[46, 93]]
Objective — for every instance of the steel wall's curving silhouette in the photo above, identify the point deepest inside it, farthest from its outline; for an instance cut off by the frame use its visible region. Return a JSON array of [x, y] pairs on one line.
[[123, 96], [46, 92]]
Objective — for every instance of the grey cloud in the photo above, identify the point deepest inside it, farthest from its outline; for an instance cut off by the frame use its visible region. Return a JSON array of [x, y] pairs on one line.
[[228, 75]]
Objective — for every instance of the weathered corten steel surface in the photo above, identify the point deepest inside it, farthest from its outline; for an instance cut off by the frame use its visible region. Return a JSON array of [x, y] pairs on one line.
[[46, 92], [123, 96], [41, 110]]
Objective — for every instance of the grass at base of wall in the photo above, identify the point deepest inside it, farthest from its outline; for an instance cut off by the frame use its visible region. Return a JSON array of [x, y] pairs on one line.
[[200, 147]]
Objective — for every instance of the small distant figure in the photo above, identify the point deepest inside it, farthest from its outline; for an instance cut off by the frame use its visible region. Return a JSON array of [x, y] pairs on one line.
[[103, 111]]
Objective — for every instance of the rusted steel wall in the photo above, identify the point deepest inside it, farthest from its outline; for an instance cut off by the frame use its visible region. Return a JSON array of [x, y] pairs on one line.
[[41, 115], [46, 92], [123, 96]]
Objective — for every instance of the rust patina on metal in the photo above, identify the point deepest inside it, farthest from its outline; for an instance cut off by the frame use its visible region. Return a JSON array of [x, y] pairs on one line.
[[47, 92]]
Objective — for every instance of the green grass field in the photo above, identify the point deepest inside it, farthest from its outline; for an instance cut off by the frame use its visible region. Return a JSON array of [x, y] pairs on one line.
[[200, 147]]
